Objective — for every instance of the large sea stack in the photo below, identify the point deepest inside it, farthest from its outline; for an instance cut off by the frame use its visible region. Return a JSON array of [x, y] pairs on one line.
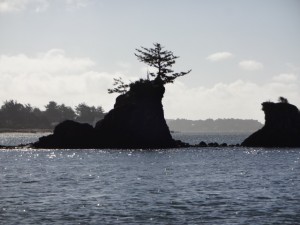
[[281, 129], [136, 121]]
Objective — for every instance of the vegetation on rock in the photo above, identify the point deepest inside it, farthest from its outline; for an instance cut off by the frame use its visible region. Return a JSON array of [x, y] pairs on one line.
[[120, 86], [162, 60], [158, 58]]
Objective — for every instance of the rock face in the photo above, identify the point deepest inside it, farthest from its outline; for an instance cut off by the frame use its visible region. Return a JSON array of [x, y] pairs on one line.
[[69, 134], [137, 121], [281, 129]]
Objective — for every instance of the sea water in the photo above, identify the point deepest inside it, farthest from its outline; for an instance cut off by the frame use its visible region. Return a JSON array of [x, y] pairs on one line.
[[175, 186]]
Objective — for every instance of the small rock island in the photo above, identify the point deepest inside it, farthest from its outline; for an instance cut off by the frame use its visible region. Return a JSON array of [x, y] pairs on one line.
[[281, 129], [137, 119]]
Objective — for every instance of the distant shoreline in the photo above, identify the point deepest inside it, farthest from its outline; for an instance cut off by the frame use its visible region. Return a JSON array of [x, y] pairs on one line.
[[25, 130], [213, 132], [37, 130]]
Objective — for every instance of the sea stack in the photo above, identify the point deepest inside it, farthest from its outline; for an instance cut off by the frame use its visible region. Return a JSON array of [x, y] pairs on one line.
[[281, 129], [136, 121]]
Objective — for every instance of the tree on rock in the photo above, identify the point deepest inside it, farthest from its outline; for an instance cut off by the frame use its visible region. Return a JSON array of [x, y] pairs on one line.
[[160, 59], [283, 100], [120, 86]]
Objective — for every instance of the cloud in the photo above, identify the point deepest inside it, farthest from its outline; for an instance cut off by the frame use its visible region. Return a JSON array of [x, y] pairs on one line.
[[54, 75], [8, 6], [75, 4], [293, 67], [286, 78], [251, 65], [124, 65], [54, 62], [219, 56], [239, 99]]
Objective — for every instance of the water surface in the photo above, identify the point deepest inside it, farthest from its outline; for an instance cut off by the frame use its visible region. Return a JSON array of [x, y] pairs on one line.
[[178, 186]]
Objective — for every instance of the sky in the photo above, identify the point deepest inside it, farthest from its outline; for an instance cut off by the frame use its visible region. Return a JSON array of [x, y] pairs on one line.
[[241, 52]]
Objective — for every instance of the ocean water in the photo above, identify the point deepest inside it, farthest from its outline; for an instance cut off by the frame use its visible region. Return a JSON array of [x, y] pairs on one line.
[[175, 186]]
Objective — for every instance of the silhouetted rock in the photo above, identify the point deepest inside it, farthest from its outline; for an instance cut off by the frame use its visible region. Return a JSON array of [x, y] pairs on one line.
[[214, 144], [281, 129], [223, 145], [69, 134], [202, 144], [137, 121]]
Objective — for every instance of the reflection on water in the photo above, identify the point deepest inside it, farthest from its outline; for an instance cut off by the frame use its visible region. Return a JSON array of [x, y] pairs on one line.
[[13, 139], [178, 186]]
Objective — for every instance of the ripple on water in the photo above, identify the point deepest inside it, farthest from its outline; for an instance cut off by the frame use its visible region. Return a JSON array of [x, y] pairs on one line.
[[178, 186]]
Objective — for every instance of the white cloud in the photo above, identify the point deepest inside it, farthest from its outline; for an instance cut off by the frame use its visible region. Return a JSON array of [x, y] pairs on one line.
[[8, 6], [54, 76], [75, 4], [286, 78], [239, 99], [124, 65], [293, 67], [54, 61], [219, 56], [251, 65]]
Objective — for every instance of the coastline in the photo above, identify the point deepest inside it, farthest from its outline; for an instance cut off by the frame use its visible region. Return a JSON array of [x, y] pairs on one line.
[[25, 130]]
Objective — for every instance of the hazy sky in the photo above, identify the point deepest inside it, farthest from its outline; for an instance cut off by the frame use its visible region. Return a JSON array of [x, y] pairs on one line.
[[241, 52]]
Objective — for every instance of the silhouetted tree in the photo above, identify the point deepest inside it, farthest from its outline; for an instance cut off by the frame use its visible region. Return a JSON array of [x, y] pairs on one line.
[[56, 113], [88, 114], [120, 86], [52, 112], [40, 119], [16, 115], [66, 113], [283, 100], [160, 59], [12, 113]]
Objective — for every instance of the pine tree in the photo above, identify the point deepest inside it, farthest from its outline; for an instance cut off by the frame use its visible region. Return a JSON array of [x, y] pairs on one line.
[[120, 86], [283, 100], [160, 59]]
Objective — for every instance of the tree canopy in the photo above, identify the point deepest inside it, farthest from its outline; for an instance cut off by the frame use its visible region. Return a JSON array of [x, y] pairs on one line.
[[88, 114], [162, 60], [14, 115]]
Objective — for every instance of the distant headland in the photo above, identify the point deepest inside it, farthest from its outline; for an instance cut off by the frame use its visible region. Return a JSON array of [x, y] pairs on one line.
[[214, 126]]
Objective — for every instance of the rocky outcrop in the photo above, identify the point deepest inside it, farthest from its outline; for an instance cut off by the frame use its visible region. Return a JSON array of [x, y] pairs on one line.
[[69, 134], [281, 129], [137, 121]]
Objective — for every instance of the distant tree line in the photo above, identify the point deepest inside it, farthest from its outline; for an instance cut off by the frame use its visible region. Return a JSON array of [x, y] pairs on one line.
[[214, 126], [14, 115]]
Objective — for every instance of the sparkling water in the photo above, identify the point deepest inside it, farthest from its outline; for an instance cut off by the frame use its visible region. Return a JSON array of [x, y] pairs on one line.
[[175, 186]]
